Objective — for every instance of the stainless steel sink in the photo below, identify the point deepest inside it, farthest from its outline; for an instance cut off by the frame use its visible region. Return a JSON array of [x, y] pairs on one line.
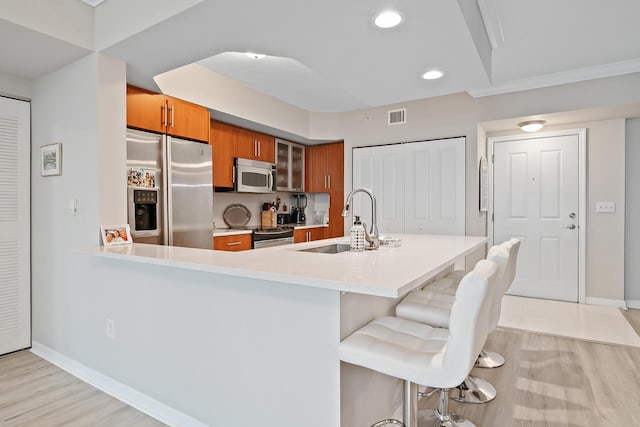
[[334, 248]]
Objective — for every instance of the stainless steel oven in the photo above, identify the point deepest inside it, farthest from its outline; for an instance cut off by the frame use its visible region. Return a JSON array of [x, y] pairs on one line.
[[268, 237]]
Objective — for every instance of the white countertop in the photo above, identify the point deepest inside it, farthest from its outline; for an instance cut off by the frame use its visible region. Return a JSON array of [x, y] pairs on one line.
[[234, 231], [388, 272], [230, 232]]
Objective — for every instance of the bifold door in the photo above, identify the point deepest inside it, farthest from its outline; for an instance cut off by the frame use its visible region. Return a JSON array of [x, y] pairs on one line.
[[15, 279]]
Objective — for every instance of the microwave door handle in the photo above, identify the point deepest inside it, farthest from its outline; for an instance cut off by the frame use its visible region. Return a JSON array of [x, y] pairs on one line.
[[270, 175]]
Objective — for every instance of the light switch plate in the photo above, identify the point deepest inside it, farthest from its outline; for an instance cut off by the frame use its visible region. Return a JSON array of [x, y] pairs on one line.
[[605, 207]]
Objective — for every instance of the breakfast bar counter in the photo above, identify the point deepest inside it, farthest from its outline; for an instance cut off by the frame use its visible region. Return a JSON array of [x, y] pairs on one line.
[[389, 272], [255, 334]]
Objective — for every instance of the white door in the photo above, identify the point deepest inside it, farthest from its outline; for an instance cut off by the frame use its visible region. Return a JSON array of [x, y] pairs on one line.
[[15, 286], [380, 169], [536, 199], [435, 187]]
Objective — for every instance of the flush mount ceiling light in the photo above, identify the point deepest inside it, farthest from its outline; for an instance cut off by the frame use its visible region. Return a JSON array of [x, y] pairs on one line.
[[388, 19], [531, 125], [253, 55], [432, 75]]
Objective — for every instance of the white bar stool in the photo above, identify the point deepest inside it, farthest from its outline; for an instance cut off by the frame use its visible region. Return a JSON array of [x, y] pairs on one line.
[[433, 307], [492, 359], [421, 354]]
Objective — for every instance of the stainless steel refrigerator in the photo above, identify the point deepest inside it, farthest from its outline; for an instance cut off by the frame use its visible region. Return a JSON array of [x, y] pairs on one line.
[[179, 194]]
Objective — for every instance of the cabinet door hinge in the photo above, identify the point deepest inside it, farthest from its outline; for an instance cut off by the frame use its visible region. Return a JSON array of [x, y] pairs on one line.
[[493, 216], [493, 158]]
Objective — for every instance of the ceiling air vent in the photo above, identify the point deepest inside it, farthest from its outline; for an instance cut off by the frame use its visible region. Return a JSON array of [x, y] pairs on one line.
[[398, 117]]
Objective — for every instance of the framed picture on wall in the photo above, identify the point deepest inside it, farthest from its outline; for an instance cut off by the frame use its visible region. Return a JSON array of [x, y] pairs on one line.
[[51, 160], [115, 235]]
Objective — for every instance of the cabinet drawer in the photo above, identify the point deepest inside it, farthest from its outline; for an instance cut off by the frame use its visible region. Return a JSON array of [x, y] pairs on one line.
[[239, 242]]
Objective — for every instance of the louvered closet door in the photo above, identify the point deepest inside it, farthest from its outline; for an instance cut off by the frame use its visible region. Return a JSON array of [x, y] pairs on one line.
[[15, 286]]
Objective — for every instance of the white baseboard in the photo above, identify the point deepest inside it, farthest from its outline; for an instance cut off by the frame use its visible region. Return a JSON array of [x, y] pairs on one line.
[[633, 303], [122, 392], [606, 302]]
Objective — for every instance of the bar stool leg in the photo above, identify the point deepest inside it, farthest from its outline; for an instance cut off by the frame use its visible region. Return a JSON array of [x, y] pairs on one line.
[[441, 417], [410, 404]]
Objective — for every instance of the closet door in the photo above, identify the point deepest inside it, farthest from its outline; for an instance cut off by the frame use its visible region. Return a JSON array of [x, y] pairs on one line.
[[435, 187], [15, 279], [381, 169]]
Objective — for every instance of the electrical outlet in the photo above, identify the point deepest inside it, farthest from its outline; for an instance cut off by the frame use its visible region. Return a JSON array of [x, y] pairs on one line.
[[111, 329], [606, 207]]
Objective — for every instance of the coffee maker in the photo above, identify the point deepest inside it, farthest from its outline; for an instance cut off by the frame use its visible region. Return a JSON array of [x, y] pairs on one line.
[[297, 211]]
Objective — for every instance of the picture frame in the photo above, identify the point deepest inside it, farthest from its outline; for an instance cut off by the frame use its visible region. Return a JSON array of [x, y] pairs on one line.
[[113, 235], [51, 159]]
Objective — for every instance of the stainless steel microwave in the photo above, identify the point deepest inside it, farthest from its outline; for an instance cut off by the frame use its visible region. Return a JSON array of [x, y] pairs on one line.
[[253, 176]]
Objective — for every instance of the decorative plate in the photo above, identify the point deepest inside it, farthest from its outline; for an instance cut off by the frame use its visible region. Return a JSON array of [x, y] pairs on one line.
[[236, 215]]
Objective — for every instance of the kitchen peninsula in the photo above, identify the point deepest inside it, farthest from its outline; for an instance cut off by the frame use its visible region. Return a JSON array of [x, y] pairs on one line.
[[267, 323]]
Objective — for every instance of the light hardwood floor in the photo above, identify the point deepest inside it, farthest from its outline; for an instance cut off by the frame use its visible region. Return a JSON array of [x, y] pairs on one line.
[[552, 381], [633, 317], [35, 393], [547, 381]]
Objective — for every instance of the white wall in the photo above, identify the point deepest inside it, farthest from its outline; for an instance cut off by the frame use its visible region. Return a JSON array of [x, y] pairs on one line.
[[459, 114], [632, 223], [15, 86], [202, 86]]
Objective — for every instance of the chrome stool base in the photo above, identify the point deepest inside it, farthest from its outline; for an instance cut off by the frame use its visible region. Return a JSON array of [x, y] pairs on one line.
[[431, 418], [474, 390], [489, 359], [387, 422], [434, 417]]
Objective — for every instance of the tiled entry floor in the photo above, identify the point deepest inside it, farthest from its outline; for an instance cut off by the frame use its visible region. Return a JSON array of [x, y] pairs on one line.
[[582, 321]]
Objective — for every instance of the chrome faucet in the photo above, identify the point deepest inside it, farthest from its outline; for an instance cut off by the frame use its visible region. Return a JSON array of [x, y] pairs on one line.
[[373, 237]]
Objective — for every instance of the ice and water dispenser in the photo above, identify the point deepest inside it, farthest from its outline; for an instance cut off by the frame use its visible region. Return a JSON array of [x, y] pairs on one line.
[[144, 214]]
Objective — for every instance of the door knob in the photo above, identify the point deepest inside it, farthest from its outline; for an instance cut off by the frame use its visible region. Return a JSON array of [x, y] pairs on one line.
[[570, 227]]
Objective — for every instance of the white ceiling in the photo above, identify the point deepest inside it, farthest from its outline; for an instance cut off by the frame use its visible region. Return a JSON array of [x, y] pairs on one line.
[[328, 56]]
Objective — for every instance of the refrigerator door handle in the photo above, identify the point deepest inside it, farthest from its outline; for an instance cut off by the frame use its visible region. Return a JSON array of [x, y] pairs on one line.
[[168, 189]]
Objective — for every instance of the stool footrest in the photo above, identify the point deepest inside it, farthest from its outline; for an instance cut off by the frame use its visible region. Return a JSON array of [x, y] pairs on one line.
[[387, 422]]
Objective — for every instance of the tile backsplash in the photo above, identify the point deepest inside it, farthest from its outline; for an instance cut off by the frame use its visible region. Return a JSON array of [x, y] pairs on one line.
[[316, 211]]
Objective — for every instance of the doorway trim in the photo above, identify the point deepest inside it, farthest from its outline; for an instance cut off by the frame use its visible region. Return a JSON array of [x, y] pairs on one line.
[[582, 193]]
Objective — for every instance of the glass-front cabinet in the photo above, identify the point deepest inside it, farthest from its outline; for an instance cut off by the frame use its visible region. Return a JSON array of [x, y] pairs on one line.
[[290, 166]]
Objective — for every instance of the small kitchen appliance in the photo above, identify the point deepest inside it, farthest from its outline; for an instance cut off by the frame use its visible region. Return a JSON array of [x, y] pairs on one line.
[[297, 211]]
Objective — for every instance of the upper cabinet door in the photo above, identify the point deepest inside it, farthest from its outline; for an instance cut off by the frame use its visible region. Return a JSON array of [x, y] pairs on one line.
[[246, 144], [187, 120], [316, 169], [297, 167], [266, 147], [146, 110], [223, 152], [162, 114]]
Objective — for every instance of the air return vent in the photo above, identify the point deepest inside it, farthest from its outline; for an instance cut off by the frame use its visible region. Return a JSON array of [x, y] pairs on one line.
[[398, 117]]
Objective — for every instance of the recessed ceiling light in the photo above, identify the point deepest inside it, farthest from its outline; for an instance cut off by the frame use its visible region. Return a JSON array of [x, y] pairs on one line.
[[253, 55], [531, 125], [388, 19], [432, 75]]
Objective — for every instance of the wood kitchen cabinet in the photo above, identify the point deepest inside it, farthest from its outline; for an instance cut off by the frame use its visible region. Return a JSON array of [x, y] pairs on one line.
[[156, 112], [234, 243], [229, 141], [309, 234], [223, 151], [324, 173], [255, 145]]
